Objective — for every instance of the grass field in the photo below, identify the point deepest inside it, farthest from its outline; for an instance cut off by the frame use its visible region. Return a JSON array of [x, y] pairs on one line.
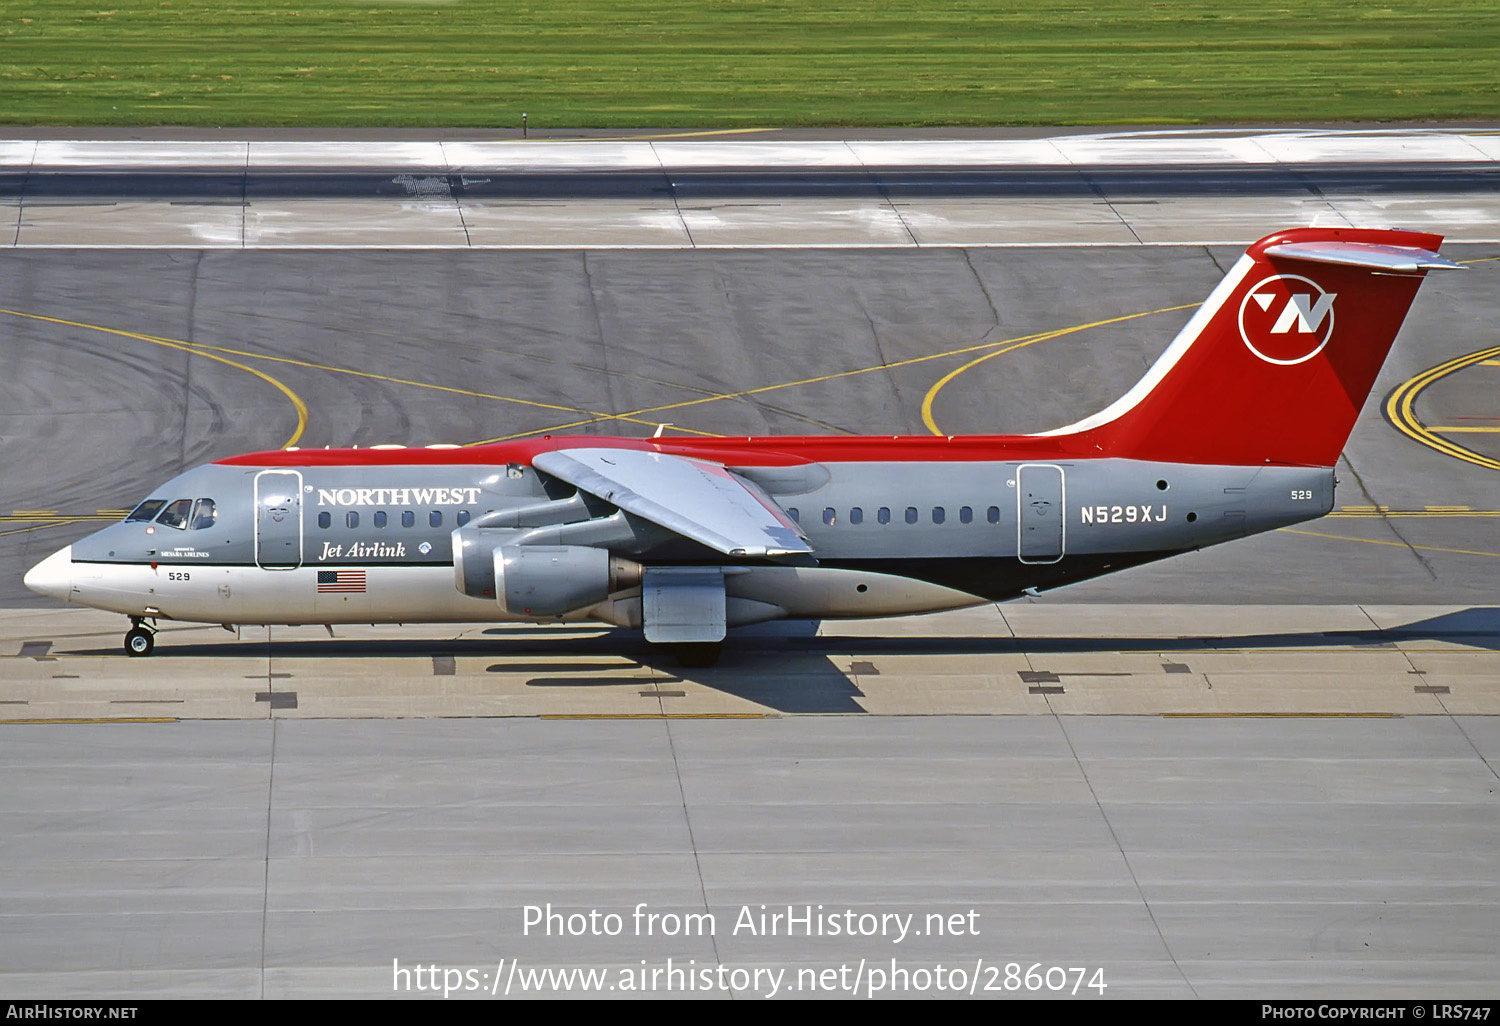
[[739, 63]]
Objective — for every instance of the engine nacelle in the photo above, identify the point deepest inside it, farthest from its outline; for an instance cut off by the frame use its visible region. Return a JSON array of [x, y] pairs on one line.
[[540, 580], [550, 580]]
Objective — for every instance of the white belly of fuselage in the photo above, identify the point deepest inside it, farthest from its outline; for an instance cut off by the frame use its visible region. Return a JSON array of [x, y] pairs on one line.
[[250, 595]]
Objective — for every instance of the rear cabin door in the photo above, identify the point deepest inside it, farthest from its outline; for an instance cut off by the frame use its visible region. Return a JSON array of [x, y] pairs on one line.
[[278, 519], [1039, 495]]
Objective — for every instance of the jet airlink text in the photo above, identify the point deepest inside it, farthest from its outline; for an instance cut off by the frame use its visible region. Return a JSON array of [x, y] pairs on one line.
[[363, 550], [397, 496], [752, 921]]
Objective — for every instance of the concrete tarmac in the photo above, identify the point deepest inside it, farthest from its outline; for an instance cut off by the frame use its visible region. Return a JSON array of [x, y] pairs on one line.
[[1163, 857], [1263, 770], [1095, 188], [131, 366]]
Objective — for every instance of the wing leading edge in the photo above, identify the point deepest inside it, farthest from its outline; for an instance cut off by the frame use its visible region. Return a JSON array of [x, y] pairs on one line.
[[698, 500]]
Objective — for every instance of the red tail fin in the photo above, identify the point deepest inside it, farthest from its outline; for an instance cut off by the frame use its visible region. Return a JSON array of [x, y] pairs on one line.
[[1276, 363]]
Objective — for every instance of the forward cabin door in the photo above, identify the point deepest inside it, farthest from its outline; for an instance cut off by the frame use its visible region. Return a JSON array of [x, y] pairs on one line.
[[1039, 495], [278, 519]]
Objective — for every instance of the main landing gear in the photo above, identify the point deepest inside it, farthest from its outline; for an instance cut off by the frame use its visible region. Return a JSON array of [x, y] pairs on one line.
[[140, 639]]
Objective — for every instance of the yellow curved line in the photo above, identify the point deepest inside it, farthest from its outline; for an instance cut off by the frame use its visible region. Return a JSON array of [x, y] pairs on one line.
[[671, 135], [932, 392], [1401, 545], [296, 400], [1012, 343], [415, 384], [375, 377], [1400, 409], [942, 382], [193, 350], [208, 351]]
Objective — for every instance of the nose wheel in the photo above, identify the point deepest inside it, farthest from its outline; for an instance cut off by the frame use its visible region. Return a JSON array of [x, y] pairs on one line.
[[139, 640]]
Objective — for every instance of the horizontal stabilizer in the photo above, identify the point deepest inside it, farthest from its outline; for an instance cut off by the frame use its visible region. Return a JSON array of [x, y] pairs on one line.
[[1394, 259]]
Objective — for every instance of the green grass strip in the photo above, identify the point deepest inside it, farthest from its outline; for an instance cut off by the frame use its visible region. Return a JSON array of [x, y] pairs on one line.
[[740, 63]]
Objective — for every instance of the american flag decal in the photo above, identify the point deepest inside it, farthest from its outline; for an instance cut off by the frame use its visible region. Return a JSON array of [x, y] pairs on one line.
[[334, 582]]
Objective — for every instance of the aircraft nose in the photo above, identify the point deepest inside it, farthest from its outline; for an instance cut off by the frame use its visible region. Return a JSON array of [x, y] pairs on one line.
[[53, 576]]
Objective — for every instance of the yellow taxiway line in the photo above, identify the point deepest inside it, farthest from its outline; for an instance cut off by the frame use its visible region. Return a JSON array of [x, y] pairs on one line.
[[1400, 407], [1003, 346], [1400, 545], [191, 349]]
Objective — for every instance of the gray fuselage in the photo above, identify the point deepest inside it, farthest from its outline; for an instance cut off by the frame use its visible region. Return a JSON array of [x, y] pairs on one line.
[[887, 538]]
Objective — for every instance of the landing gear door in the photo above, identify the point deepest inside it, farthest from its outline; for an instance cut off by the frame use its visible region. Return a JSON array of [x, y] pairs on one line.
[[683, 605], [278, 519], [1039, 495]]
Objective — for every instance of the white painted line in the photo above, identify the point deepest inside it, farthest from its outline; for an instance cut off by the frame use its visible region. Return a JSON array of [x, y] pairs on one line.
[[1487, 146], [1394, 148], [502, 155], [287, 155], [1187, 147], [900, 153], [138, 154], [17, 154], [1088, 152], [768, 154], [1241, 243]]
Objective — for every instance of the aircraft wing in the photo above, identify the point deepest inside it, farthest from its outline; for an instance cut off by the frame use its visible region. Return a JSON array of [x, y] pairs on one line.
[[696, 499]]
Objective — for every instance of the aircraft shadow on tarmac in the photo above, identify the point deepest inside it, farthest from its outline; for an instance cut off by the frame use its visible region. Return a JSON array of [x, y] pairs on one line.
[[788, 667]]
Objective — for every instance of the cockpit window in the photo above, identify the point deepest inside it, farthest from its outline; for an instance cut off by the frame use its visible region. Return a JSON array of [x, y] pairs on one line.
[[176, 514], [147, 510], [205, 514]]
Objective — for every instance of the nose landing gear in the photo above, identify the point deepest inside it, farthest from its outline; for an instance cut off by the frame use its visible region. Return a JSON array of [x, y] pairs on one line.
[[140, 639]]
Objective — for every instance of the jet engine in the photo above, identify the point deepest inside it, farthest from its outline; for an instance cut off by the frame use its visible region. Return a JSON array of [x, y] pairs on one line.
[[544, 580]]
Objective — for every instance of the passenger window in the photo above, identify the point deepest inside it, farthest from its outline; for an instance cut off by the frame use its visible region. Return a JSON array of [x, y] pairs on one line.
[[993, 514], [911, 514], [325, 521], [938, 516], [205, 514], [793, 512], [351, 518], [408, 519], [176, 515], [829, 517], [435, 518], [856, 515], [965, 515], [883, 514], [147, 510], [463, 517], [380, 518]]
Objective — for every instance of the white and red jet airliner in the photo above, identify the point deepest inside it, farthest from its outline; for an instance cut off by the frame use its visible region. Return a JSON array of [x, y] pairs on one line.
[[1235, 430]]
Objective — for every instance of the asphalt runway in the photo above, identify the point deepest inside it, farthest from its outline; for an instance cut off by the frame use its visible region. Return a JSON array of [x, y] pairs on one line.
[[1166, 858], [1262, 770], [222, 190], [130, 366]]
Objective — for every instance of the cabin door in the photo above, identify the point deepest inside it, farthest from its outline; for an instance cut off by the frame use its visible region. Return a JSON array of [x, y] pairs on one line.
[[1039, 496], [278, 520]]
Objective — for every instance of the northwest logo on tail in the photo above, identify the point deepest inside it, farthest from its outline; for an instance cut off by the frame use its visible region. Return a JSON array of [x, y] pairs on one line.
[[1286, 319]]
